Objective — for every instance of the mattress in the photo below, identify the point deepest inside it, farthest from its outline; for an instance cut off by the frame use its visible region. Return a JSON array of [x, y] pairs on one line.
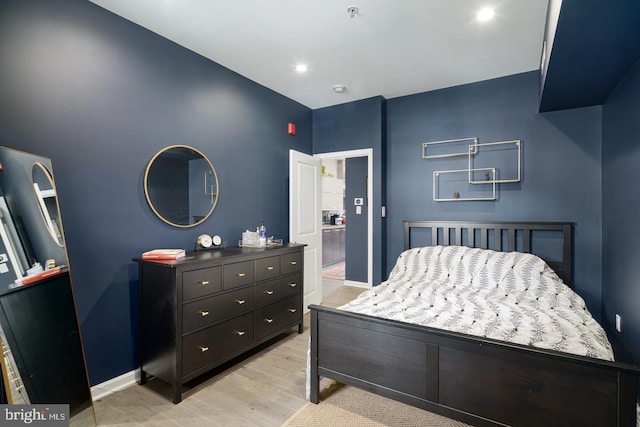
[[507, 296]]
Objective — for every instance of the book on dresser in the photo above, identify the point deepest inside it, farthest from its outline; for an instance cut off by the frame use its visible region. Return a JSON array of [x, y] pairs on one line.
[[210, 307], [164, 254]]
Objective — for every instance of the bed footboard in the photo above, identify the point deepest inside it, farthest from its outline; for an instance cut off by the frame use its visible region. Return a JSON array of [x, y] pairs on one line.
[[474, 380]]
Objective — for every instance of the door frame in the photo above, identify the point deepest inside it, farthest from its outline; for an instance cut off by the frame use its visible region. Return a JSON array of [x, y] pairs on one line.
[[368, 153]]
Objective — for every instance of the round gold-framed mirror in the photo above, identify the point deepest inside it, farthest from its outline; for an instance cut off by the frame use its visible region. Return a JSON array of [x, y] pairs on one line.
[[45, 191], [181, 186]]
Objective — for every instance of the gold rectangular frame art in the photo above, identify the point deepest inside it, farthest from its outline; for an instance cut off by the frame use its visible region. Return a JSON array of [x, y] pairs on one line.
[[456, 196], [471, 150]]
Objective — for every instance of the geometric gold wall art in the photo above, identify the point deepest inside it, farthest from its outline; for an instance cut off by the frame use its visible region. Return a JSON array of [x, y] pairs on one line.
[[506, 154], [454, 185], [449, 148], [488, 164]]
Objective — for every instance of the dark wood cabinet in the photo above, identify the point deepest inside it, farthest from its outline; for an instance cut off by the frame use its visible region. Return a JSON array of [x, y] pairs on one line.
[[211, 306], [40, 325], [333, 245]]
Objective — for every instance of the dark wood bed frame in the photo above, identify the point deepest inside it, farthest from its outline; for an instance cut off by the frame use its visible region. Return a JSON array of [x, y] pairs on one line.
[[479, 381]]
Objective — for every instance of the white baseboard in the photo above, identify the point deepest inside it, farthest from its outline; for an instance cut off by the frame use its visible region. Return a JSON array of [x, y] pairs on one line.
[[356, 284], [114, 384]]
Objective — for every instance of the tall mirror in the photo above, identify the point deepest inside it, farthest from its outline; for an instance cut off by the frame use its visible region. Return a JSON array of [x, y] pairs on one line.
[[181, 186], [43, 359]]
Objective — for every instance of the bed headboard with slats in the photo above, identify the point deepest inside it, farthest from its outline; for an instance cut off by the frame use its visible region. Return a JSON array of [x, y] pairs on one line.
[[492, 235]]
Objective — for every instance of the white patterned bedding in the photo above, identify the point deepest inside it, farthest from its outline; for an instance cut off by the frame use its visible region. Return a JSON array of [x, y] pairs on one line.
[[508, 296]]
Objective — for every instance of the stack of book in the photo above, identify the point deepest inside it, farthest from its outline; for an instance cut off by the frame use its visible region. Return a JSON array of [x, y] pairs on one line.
[[41, 275], [163, 254]]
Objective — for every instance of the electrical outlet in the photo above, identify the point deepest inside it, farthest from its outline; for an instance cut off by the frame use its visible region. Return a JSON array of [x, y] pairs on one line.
[[618, 323]]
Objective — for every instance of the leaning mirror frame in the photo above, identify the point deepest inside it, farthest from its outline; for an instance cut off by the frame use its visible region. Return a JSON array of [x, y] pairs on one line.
[[38, 321], [202, 186], [46, 198]]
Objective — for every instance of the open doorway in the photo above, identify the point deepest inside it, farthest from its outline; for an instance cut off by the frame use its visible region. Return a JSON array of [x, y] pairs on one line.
[[347, 222], [333, 219]]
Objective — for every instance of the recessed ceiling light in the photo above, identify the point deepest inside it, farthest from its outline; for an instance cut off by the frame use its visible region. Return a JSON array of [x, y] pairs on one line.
[[485, 14], [301, 68]]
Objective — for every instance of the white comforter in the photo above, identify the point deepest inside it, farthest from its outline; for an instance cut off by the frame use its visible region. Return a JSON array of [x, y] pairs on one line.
[[509, 296]]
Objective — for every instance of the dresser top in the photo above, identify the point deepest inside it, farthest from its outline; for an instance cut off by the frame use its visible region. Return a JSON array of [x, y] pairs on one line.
[[222, 254]]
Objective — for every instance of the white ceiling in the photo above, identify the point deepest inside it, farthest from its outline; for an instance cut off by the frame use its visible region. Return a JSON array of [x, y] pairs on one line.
[[390, 47]]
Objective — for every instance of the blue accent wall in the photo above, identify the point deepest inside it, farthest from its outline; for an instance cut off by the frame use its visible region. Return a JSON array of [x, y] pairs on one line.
[[620, 207], [100, 96], [352, 126], [560, 164], [596, 42]]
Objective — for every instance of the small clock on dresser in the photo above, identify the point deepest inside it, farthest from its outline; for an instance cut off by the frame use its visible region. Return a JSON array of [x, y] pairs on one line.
[[206, 241]]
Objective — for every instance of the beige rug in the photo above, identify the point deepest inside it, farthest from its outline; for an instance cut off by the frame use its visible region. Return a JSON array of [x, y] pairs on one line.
[[335, 272], [342, 405]]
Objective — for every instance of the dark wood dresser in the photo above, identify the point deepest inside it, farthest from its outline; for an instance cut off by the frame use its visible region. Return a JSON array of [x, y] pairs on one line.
[[211, 306], [40, 325]]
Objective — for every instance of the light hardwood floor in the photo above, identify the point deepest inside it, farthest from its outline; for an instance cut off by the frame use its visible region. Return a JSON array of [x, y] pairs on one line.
[[262, 389]]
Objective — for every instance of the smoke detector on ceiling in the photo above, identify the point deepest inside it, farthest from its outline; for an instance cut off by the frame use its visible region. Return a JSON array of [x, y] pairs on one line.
[[352, 10], [339, 88]]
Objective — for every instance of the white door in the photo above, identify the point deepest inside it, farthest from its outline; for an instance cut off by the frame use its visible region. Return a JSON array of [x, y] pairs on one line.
[[305, 222]]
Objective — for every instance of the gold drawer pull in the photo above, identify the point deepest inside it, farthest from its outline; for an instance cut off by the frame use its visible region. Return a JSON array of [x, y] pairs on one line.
[[240, 301], [240, 333], [293, 285], [293, 262], [292, 310], [268, 292], [268, 320], [269, 268], [204, 313], [203, 348], [241, 274], [204, 282]]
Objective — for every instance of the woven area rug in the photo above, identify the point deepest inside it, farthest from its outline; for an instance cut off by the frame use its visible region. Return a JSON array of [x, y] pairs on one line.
[[335, 272], [342, 405]]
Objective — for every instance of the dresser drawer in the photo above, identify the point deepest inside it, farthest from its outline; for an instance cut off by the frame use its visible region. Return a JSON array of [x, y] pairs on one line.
[[237, 274], [207, 346], [199, 283], [291, 263], [205, 312], [211, 306], [273, 317], [277, 289], [267, 268]]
